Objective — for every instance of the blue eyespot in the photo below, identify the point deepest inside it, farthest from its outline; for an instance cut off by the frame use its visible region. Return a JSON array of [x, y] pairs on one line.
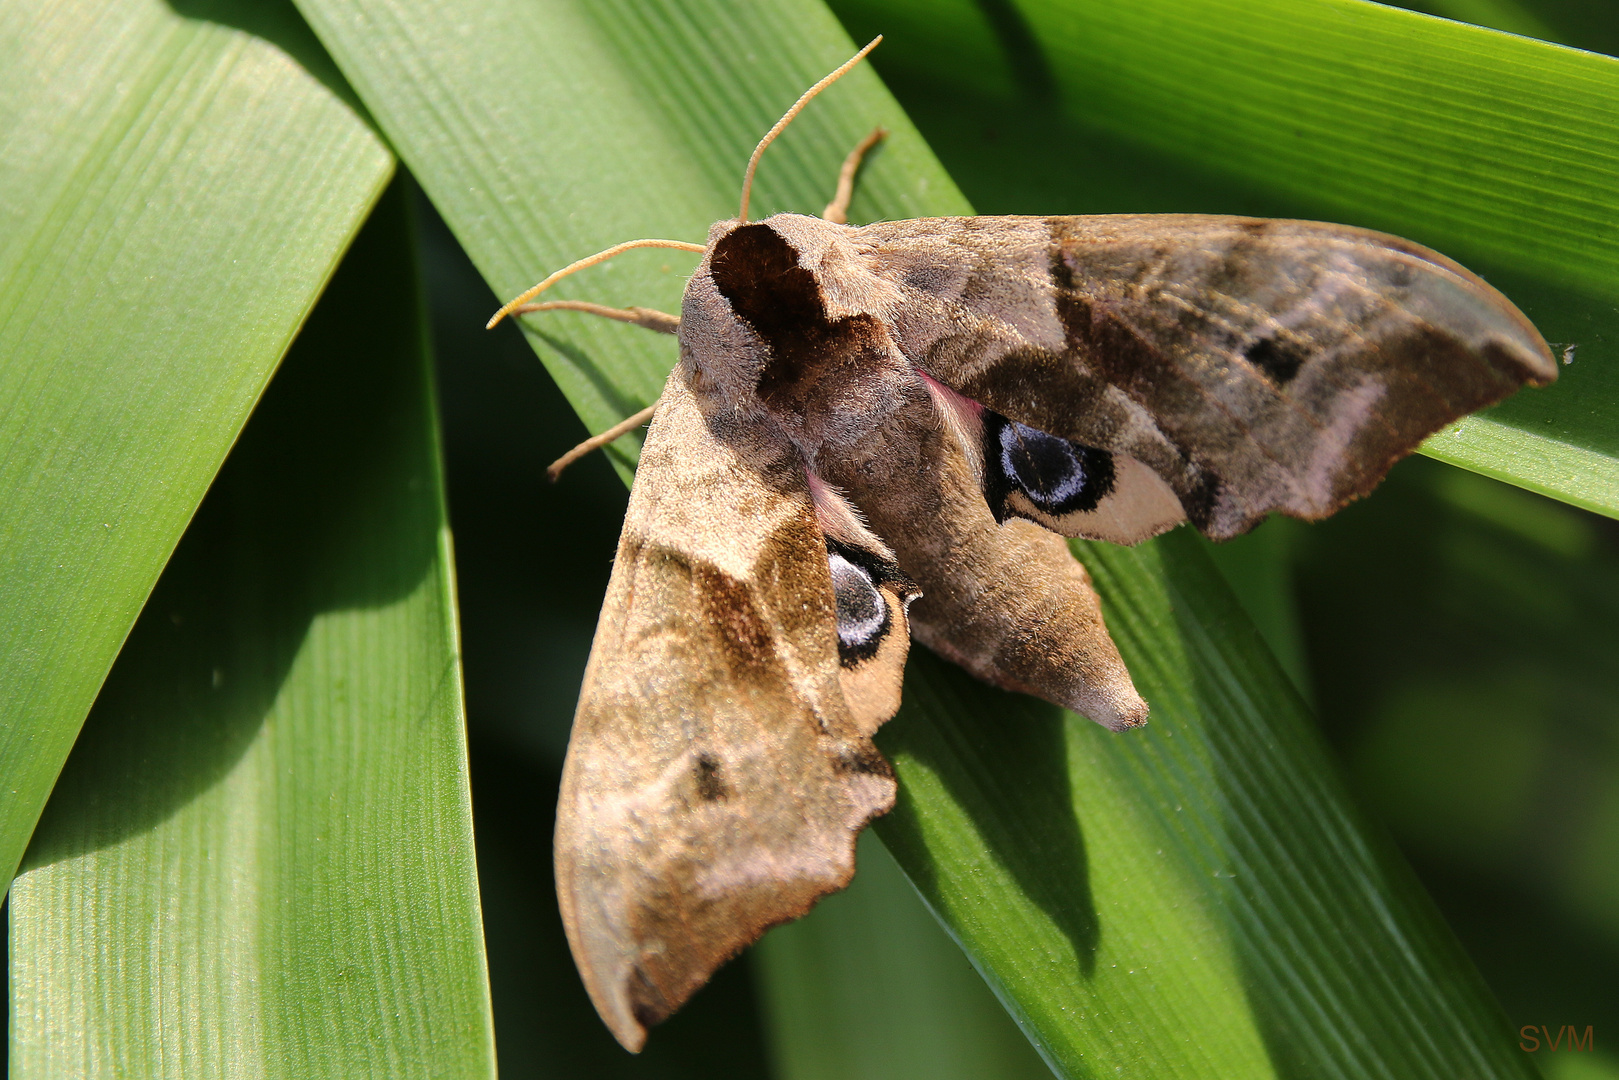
[[1056, 475], [1048, 469], [862, 612]]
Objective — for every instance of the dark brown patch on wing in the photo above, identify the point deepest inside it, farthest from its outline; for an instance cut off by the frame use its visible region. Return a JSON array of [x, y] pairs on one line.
[[864, 760], [1278, 359], [710, 784], [727, 605], [648, 1004], [793, 561], [927, 277], [1110, 351], [815, 361], [1200, 498]]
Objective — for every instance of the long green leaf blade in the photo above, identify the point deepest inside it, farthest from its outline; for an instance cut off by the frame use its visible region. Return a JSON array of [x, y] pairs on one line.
[[1201, 900], [173, 194], [258, 860], [869, 987], [544, 134]]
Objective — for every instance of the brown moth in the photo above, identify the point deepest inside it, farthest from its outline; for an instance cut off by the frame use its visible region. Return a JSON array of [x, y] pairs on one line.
[[890, 429]]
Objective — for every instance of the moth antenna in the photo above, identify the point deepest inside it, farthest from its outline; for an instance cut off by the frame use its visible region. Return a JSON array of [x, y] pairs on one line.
[[787, 118], [837, 211], [595, 442], [661, 321], [600, 256]]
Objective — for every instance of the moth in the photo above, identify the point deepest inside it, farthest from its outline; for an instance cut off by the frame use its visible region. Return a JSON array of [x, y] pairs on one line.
[[885, 431]]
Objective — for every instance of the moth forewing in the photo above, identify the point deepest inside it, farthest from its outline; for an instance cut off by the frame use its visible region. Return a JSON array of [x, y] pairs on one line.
[[1255, 365], [717, 778]]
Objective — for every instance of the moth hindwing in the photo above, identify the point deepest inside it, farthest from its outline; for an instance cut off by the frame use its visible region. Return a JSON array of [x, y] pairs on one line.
[[887, 430]]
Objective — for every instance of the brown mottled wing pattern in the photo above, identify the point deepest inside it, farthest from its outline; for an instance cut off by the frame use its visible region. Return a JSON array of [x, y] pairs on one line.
[[716, 779], [1255, 365]]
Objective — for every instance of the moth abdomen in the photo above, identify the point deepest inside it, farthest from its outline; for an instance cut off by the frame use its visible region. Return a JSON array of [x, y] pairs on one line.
[[862, 759]]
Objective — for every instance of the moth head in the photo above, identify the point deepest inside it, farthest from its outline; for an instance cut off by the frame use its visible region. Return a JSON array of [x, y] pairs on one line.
[[724, 353], [756, 278], [785, 321]]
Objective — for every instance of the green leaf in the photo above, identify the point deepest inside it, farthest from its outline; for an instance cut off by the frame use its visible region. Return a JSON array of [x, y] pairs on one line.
[[174, 191], [544, 135], [1198, 899], [868, 987], [1507, 15], [1498, 151], [1462, 633], [1195, 899], [259, 856]]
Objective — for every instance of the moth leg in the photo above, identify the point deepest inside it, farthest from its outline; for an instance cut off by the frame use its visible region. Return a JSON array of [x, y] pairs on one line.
[[596, 442], [640, 316], [837, 211], [660, 321]]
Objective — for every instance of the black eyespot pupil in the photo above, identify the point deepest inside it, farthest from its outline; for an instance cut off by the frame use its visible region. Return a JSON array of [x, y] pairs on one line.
[[1044, 466]]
